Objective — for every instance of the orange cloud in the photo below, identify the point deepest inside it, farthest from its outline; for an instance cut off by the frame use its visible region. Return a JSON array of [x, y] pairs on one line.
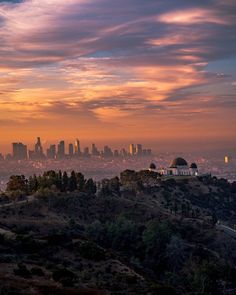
[[81, 68]]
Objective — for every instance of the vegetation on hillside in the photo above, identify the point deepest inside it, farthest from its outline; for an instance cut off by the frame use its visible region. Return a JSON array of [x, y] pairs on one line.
[[137, 234]]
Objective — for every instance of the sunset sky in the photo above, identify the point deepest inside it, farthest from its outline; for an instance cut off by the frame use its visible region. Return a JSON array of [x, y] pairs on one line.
[[118, 70]]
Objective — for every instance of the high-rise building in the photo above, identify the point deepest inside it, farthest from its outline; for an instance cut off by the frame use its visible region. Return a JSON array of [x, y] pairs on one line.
[[31, 154], [149, 152], [124, 153], [19, 151], [95, 151], [38, 149], [139, 149], [51, 152], [107, 152], [15, 150], [8, 157], [61, 149], [132, 149], [227, 159], [71, 150], [116, 153], [86, 151], [77, 148]]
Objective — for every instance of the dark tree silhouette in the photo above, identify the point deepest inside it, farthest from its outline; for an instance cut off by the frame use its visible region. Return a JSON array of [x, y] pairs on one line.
[[90, 187], [72, 182], [65, 181]]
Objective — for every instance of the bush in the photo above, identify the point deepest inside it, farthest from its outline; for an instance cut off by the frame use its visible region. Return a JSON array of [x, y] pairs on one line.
[[122, 234], [96, 231], [27, 244], [64, 276], [91, 251], [58, 239], [205, 278], [162, 290], [2, 239], [4, 198], [45, 194], [37, 271], [22, 271]]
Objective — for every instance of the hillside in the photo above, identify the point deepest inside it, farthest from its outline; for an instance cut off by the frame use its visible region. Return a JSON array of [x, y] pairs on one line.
[[138, 234]]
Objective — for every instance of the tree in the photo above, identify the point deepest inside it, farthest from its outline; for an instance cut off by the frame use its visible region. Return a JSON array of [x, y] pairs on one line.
[[110, 187], [96, 231], [50, 174], [233, 187], [17, 183], [122, 234], [183, 209], [128, 176], [176, 253], [175, 207], [214, 218], [90, 187], [48, 179], [80, 181], [91, 251], [104, 188], [72, 182], [114, 185], [205, 278], [155, 239], [65, 181], [33, 184]]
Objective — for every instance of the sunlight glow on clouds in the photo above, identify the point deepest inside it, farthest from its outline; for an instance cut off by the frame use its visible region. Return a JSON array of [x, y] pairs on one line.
[[85, 65], [192, 16]]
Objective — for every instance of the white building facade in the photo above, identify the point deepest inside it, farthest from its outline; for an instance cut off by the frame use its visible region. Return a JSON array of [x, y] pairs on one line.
[[180, 167]]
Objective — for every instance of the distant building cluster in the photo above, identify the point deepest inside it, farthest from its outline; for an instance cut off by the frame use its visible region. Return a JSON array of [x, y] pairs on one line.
[[73, 150], [137, 150]]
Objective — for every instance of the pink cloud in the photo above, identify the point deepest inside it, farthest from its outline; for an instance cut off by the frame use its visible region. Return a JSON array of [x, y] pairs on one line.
[[191, 16], [72, 59]]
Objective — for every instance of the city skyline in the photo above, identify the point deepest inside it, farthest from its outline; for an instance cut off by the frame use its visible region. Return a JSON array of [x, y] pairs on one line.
[[63, 149], [157, 146], [119, 71]]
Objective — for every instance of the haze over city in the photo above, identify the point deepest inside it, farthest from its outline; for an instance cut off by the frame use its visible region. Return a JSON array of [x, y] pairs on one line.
[[158, 72]]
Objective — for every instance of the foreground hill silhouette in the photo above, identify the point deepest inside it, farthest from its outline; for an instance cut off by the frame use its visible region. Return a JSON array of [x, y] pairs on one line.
[[136, 234]]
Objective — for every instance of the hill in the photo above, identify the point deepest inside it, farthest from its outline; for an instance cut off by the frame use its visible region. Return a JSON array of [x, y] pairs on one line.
[[137, 234]]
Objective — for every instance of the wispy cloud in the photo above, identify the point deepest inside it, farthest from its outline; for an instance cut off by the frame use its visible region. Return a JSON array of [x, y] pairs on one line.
[[116, 63], [193, 16]]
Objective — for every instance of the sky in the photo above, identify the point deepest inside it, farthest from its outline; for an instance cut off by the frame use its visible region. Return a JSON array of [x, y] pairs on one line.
[[158, 72]]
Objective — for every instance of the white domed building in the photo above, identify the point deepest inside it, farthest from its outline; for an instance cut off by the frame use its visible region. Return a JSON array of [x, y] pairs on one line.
[[180, 167]]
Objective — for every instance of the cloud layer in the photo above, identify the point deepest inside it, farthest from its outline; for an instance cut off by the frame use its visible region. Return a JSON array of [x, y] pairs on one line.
[[152, 66]]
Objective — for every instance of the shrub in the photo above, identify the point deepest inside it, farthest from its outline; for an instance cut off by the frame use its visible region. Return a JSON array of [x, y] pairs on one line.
[[64, 276], [45, 194], [37, 271], [162, 290], [58, 239], [27, 244], [22, 271], [2, 239], [91, 251]]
